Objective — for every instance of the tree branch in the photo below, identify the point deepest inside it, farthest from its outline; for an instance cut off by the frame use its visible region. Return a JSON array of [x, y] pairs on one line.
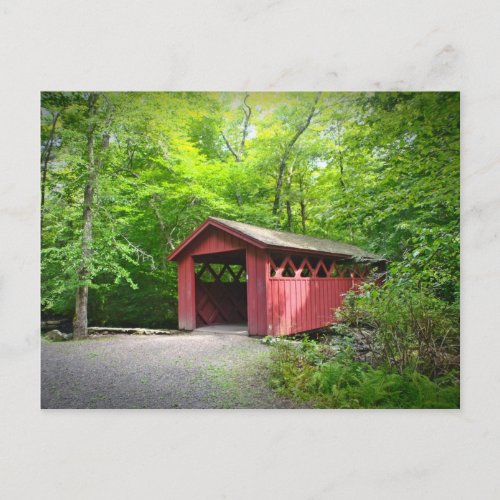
[[288, 150], [233, 152], [247, 111]]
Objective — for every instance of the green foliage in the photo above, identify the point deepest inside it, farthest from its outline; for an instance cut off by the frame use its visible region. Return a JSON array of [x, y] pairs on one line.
[[380, 170], [432, 261], [405, 327], [309, 372]]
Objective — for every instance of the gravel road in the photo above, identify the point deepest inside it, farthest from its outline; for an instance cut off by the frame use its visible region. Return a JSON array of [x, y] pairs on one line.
[[174, 371]]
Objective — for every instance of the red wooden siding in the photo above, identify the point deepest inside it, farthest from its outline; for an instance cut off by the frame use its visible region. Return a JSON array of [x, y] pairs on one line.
[[221, 291], [304, 291], [256, 291], [195, 308], [214, 240], [284, 293], [301, 304], [186, 287]]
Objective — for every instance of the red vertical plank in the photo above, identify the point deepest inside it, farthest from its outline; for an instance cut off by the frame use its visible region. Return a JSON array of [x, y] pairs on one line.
[[258, 293], [324, 285], [183, 289], [262, 287], [275, 301], [300, 319], [293, 304], [334, 294], [330, 298], [297, 305], [261, 292], [327, 299], [303, 312], [297, 311], [186, 304], [321, 317], [251, 291], [298, 316], [314, 303], [288, 304], [282, 307], [180, 294], [269, 297], [185, 282], [306, 303], [191, 305], [318, 320], [319, 294], [279, 304], [288, 316], [210, 247]]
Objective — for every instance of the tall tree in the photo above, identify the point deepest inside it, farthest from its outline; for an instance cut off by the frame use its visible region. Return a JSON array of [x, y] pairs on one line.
[[287, 150], [93, 167], [238, 151], [379, 170]]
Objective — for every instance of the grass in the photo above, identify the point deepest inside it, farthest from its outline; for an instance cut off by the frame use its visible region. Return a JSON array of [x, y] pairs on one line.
[[232, 382]]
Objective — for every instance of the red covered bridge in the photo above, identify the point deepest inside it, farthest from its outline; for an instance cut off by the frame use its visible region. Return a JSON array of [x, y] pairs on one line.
[[276, 283]]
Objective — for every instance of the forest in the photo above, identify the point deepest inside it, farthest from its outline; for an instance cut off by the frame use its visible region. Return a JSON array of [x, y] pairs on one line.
[[126, 176]]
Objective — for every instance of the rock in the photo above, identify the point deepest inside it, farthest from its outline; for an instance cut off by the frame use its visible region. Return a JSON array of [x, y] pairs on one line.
[[103, 330], [51, 322], [57, 336]]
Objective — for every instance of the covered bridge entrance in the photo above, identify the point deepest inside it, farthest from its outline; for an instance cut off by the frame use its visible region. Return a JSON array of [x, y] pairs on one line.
[[277, 283]]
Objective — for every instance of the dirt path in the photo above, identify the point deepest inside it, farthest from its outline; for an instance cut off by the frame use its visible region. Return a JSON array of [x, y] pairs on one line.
[[178, 371]]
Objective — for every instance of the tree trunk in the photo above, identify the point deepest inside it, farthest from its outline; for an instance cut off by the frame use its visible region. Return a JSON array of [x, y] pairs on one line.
[[82, 292], [341, 165], [303, 208], [303, 215], [286, 154], [247, 111], [45, 161], [289, 216], [238, 153]]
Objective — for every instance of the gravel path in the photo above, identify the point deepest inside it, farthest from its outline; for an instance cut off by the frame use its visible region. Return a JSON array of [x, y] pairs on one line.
[[175, 371]]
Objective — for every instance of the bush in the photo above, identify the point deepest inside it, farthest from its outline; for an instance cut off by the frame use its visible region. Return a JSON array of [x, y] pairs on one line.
[[405, 327], [330, 379]]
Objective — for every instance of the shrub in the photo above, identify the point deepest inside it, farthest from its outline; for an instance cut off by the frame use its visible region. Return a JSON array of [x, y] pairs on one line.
[[328, 380], [405, 327]]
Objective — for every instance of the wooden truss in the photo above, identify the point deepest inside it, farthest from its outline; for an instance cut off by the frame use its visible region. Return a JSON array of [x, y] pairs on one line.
[[221, 294], [288, 266]]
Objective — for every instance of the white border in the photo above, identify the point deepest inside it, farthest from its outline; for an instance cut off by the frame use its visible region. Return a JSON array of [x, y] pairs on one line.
[[257, 45]]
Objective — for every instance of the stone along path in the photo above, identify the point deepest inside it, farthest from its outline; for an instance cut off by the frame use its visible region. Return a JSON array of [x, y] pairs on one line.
[[196, 370]]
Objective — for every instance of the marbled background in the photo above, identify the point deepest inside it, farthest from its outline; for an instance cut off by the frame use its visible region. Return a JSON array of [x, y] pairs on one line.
[[249, 45]]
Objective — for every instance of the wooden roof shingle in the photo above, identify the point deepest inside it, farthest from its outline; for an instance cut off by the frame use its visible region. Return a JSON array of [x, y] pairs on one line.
[[281, 240]]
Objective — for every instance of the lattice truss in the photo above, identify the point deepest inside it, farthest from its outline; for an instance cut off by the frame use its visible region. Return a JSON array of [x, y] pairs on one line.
[[294, 266], [221, 294], [223, 273]]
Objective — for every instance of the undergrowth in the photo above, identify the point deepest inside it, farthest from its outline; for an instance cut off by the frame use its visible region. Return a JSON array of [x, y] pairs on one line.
[[330, 378]]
